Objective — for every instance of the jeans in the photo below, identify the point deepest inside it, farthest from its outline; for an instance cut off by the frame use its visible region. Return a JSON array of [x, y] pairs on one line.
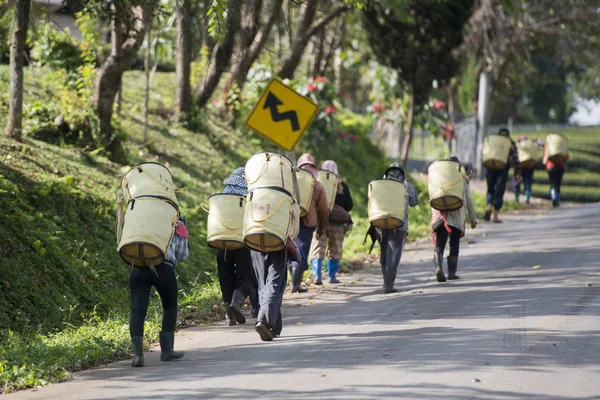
[[236, 275], [141, 280], [271, 273], [496, 186], [527, 174], [555, 174]]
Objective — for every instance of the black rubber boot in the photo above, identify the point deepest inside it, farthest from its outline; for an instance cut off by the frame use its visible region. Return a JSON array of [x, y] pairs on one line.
[[254, 303], [236, 307], [229, 317], [452, 267], [167, 341], [438, 260], [384, 274], [137, 343], [300, 273]]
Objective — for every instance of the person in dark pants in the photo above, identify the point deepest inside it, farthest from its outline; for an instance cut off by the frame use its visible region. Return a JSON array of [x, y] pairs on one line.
[[556, 170], [141, 280], [451, 225], [316, 218], [497, 179], [271, 273], [234, 267], [527, 177], [392, 240]]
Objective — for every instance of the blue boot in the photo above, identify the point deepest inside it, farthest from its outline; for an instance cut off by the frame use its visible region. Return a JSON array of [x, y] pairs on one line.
[[317, 265], [332, 269], [554, 197]]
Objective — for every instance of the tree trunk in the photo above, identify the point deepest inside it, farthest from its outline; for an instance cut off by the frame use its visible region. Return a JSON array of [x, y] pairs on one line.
[[320, 39], [125, 45], [147, 75], [183, 92], [303, 34], [14, 124], [239, 70], [409, 127], [221, 57]]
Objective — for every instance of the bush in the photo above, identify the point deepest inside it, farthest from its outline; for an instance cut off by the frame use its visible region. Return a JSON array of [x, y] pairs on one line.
[[57, 50]]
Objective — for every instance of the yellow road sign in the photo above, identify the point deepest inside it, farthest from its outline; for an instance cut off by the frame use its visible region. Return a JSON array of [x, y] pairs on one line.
[[282, 115]]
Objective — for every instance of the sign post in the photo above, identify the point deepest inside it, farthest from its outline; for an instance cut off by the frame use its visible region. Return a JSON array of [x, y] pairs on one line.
[[282, 115]]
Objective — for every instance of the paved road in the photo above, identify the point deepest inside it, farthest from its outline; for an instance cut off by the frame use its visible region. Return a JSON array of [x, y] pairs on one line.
[[504, 331]]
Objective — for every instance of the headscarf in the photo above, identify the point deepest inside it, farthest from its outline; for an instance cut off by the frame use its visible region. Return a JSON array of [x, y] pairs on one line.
[[504, 132], [330, 166], [236, 183], [307, 163], [522, 138]]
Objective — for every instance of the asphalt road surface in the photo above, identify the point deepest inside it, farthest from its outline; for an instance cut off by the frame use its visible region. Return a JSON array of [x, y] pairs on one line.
[[505, 330]]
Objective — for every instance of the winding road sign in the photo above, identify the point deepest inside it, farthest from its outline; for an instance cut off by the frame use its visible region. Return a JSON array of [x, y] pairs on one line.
[[282, 115]]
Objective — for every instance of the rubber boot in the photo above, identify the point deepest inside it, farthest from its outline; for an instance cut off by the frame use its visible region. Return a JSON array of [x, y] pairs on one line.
[[516, 197], [167, 341], [293, 268], [229, 317], [332, 268], [384, 274], [438, 260], [137, 344], [254, 303], [557, 199], [452, 267], [527, 196], [236, 307], [317, 265], [554, 197], [300, 273]]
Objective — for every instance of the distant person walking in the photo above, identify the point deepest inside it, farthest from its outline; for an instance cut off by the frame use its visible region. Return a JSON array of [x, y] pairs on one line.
[[451, 225], [556, 171], [162, 277], [497, 179], [331, 243], [527, 172], [317, 218], [392, 240], [234, 267]]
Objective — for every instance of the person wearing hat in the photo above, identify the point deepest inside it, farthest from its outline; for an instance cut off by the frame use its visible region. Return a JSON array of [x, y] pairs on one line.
[[316, 218], [234, 267], [392, 240], [451, 224], [332, 241], [496, 180]]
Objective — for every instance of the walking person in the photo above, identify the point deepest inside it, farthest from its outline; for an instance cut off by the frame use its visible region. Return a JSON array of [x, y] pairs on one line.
[[392, 240], [332, 242], [497, 179], [451, 225], [317, 218], [271, 273], [162, 277], [234, 267], [527, 173], [556, 171]]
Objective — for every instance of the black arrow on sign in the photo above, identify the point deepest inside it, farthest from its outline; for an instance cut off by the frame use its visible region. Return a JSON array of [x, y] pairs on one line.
[[273, 103]]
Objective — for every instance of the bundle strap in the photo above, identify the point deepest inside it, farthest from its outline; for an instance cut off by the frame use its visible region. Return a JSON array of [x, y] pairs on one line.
[[204, 206]]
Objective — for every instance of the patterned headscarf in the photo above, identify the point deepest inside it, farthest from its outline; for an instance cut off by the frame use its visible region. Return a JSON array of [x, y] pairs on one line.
[[236, 183], [330, 166]]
